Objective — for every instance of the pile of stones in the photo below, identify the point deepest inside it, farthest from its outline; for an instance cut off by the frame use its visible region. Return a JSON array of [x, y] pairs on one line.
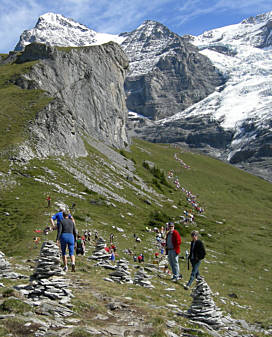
[[47, 281], [141, 278], [99, 252], [203, 308], [121, 274], [5, 269]]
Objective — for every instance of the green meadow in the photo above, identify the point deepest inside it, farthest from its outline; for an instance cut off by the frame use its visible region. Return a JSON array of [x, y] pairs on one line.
[[236, 226]]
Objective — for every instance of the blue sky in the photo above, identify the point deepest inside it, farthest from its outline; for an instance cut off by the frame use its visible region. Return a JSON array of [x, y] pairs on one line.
[[116, 16]]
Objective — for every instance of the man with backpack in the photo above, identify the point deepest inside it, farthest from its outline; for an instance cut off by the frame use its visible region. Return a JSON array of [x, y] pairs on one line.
[[80, 246], [197, 253], [59, 216]]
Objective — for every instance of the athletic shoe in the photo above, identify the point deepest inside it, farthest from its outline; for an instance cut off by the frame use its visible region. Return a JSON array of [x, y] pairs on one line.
[[186, 287], [65, 268], [73, 268]]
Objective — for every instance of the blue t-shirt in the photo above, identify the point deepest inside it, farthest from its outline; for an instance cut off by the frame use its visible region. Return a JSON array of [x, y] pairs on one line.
[[59, 216]]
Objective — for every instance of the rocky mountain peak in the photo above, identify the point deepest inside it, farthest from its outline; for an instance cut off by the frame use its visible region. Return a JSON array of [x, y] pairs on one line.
[[254, 32], [145, 45], [150, 29], [261, 18], [53, 20], [57, 30]]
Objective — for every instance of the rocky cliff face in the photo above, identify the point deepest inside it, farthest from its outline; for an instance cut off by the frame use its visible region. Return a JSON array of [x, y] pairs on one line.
[[167, 74], [89, 101]]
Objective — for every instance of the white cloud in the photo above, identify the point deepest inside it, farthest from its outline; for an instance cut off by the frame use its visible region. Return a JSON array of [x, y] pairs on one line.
[[115, 16], [191, 9], [15, 17]]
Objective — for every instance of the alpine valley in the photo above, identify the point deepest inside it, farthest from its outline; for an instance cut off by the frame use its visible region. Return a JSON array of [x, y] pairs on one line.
[[129, 133]]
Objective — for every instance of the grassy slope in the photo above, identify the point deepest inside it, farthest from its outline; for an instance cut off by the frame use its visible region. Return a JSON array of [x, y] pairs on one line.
[[18, 106], [239, 200]]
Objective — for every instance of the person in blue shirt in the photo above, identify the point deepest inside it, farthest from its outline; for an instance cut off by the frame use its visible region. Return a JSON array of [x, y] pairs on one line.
[[59, 216]]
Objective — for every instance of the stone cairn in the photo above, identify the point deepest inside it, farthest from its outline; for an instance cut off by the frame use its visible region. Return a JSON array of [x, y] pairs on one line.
[[121, 274], [5, 269], [47, 281], [141, 278], [203, 308], [99, 253]]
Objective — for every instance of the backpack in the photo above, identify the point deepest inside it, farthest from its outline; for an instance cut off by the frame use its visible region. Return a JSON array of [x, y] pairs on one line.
[[79, 247]]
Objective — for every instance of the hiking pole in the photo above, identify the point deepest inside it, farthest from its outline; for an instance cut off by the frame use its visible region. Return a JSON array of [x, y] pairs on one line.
[[187, 258]]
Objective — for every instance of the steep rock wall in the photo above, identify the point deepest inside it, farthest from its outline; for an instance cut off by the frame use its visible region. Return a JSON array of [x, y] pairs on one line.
[[89, 101], [167, 74]]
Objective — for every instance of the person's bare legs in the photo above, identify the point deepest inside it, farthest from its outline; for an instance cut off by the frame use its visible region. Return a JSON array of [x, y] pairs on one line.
[[64, 258], [73, 260]]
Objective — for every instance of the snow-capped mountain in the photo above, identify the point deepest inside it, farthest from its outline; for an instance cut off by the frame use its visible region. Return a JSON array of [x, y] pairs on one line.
[[167, 74], [146, 45], [57, 30], [180, 75], [243, 106]]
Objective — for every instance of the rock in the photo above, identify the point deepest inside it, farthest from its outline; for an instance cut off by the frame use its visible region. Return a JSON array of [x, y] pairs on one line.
[[99, 110], [6, 270], [122, 273], [141, 278], [233, 295], [203, 308], [100, 253], [108, 279], [46, 281], [93, 331], [170, 324], [171, 334]]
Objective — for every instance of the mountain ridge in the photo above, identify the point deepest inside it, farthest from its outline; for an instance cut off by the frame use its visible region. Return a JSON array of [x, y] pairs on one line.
[[240, 107]]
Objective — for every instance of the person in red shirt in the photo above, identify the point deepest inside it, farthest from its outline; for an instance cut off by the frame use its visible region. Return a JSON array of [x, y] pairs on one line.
[[173, 242]]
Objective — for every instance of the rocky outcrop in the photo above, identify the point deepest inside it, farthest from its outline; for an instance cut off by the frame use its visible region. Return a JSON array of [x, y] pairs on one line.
[[197, 132], [203, 308], [47, 281], [88, 97], [167, 74], [6, 269]]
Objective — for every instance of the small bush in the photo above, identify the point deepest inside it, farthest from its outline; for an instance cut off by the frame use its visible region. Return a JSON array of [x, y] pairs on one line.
[[122, 152], [158, 218], [78, 332], [156, 184], [8, 292], [13, 305]]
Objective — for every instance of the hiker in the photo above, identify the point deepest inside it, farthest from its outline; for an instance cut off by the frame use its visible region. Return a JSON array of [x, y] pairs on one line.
[[111, 237], [173, 241], [112, 257], [59, 216], [80, 246], [197, 253], [48, 198], [66, 237]]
